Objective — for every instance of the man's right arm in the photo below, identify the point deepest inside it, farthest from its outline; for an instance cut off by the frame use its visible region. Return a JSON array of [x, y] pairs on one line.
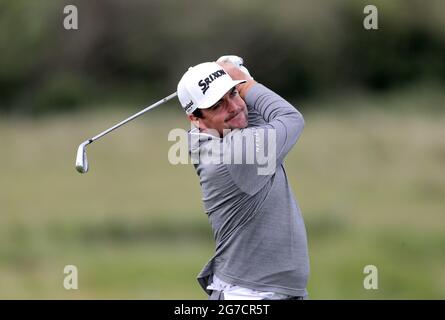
[[272, 141], [279, 115], [278, 128]]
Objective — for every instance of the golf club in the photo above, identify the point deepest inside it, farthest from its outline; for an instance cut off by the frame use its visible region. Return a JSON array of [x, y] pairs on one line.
[[81, 158]]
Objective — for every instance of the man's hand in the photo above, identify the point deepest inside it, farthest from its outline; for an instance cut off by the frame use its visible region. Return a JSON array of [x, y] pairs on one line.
[[236, 60], [233, 66]]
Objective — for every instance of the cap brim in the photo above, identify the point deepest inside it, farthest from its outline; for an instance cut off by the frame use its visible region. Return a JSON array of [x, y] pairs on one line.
[[219, 92]]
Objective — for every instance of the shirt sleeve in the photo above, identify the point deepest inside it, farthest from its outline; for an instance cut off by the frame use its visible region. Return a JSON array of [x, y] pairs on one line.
[[257, 151]]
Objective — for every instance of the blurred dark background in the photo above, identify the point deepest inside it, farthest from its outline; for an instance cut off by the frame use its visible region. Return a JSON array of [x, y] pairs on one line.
[[134, 51]]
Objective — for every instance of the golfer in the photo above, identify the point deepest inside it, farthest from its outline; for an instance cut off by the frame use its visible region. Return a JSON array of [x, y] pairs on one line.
[[261, 245]]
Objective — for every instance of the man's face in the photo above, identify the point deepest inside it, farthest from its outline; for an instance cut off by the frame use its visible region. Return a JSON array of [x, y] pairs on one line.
[[230, 112]]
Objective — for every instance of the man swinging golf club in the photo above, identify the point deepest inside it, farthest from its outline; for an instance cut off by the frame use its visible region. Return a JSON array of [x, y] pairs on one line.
[[261, 246]]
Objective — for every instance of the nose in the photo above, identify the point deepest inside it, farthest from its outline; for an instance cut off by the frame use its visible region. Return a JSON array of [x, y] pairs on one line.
[[232, 106]]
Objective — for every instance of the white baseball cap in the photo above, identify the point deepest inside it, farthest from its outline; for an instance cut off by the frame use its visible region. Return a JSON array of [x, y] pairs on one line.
[[204, 85]]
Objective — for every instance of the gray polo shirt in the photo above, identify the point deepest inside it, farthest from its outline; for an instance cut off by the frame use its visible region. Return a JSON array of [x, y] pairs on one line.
[[257, 224]]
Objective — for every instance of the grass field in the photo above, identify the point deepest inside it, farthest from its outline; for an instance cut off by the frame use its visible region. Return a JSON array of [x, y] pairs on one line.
[[371, 186]]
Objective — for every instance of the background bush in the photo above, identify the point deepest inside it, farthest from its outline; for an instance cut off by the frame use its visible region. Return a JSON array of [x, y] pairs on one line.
[[137, 50]]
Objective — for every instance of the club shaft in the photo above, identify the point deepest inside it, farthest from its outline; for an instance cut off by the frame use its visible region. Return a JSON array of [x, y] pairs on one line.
[[154, 105]]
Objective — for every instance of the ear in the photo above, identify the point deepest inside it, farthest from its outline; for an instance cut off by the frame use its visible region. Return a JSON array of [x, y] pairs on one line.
[[195, 121]]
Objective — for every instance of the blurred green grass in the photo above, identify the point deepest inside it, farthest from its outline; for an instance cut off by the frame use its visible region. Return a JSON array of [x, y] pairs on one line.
[[370, 183]]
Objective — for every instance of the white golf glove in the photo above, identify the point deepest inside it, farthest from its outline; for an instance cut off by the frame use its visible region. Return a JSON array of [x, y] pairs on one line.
[[238, 61]]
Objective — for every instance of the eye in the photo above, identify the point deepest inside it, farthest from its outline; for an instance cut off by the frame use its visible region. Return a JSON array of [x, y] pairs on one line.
[[234, 92]]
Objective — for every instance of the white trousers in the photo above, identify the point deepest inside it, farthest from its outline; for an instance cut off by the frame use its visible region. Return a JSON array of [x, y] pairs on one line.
[[232, 292]]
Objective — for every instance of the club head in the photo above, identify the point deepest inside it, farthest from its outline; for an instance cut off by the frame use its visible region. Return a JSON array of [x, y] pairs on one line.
[[81, 158]]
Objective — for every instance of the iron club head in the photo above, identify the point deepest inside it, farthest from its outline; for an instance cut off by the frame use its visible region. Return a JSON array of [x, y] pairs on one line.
[[81, 158]]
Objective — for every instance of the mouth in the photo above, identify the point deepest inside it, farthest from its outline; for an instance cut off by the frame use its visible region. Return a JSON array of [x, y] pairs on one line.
[[234, 116]]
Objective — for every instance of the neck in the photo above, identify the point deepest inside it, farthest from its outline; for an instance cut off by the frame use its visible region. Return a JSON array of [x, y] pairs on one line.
[[212, 132]]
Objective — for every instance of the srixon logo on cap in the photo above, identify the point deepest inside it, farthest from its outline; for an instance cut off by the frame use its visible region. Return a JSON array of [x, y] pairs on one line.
[[205, 83]]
